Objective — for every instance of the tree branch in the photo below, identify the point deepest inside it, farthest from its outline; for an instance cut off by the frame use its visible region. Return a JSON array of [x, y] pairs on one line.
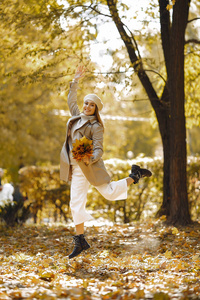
[[110, 16], [153, 71], [134, 58], [86, 7], [165, 31], [195, 19], [100, 13], [192, 41]]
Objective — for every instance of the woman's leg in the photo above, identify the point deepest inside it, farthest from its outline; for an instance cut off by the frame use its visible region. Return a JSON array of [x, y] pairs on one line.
[[79, 189], [115, 190], [108, 189], [129, 181], [78, 199], [80, 228]]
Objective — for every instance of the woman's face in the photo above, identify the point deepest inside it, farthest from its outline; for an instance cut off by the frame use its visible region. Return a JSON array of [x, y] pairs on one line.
[[89, 108]]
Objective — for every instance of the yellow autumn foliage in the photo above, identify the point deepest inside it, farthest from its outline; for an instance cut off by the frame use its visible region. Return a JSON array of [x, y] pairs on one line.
[[82, 148]]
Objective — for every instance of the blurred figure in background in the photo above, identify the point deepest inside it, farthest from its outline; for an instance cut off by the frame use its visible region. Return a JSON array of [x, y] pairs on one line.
[[6, 191]]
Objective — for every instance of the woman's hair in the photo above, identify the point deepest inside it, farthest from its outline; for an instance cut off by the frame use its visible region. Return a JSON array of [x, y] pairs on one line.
[[98, 117]]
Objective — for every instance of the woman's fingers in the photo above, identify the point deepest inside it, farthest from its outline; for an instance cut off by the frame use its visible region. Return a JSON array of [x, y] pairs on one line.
[[80, 71]]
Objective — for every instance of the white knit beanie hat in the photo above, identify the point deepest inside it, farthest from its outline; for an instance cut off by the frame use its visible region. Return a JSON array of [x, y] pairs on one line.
[[95, 99]]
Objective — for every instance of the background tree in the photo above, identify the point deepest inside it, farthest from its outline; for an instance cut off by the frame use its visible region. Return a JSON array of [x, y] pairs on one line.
[[37, 60]]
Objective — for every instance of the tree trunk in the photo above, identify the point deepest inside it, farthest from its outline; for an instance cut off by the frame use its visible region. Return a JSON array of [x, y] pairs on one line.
[[160, 106], [165, 119], [165, 136], [179, 210]]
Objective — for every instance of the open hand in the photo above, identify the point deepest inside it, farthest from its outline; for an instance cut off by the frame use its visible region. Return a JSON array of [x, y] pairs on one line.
[[80, 73]]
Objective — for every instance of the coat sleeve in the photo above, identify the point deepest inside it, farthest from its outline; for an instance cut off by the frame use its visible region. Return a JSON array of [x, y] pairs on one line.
[[97, 137], [72, 99]]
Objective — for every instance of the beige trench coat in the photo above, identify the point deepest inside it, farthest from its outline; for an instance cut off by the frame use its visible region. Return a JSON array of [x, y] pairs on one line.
[[95, 172]]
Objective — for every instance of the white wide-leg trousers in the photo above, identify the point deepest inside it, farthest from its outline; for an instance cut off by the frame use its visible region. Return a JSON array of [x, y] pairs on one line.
[[115, 190]]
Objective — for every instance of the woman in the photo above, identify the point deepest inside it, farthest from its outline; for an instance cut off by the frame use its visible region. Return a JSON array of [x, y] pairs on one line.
[[89, 170]]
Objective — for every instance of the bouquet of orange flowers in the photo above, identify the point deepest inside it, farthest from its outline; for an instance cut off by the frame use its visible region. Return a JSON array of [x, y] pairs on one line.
[[82, 148]]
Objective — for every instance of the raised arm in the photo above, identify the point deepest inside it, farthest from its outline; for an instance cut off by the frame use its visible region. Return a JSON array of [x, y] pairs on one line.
[[80, 73], [72, 96]]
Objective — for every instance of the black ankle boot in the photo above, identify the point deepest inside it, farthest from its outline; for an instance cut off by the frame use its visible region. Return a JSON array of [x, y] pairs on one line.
[[80, 245], [137, 173]]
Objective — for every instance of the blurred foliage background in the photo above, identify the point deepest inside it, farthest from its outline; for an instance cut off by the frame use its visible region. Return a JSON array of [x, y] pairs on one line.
[[49, 197]]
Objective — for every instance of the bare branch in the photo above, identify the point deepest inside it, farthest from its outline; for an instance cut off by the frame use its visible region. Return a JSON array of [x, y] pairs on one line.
[[133, 38], [86, 7], [192, 41], [100, 13], [195, 19], [153, 71], [134, 41]]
